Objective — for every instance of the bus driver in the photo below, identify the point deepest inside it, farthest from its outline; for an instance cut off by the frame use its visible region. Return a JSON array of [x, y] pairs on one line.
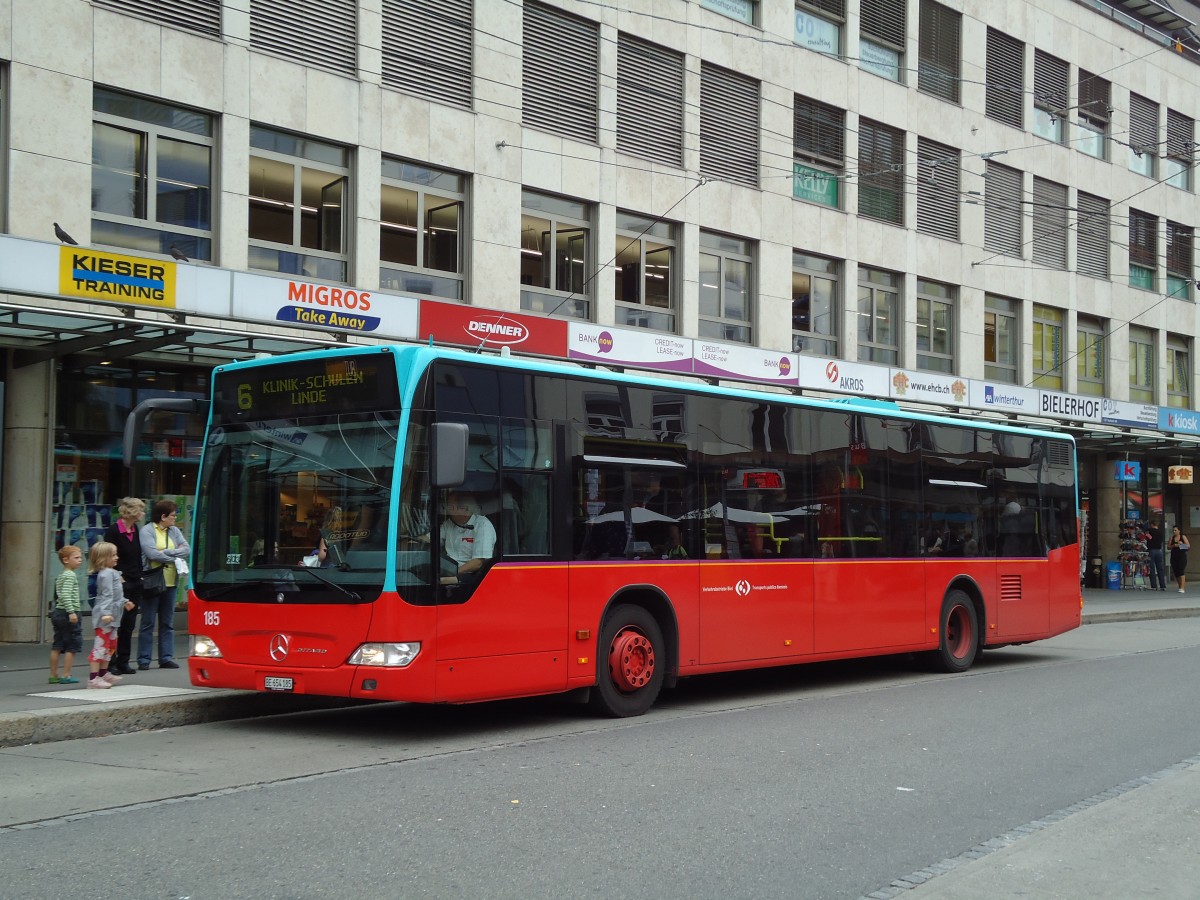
[[467, 537]]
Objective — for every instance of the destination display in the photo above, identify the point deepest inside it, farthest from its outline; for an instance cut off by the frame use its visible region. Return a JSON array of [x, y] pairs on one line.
[[314, 387]]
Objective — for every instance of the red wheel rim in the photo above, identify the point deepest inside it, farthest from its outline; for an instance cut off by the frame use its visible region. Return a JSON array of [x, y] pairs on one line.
[[958, 632], [631, 661]]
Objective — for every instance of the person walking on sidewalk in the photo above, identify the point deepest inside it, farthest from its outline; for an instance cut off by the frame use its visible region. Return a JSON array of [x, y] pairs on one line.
[[106, 614], [123, 533], [162, 544], [1154, 543], [68, 629], [1179, 546]]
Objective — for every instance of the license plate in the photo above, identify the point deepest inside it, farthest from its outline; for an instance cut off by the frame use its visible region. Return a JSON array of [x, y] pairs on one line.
[[272, 683]]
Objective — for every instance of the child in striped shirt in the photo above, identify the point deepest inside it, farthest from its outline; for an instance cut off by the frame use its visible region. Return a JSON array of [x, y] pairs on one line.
[[68, 629]]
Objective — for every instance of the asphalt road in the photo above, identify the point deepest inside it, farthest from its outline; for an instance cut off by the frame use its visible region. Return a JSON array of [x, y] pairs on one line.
[[820, 781]]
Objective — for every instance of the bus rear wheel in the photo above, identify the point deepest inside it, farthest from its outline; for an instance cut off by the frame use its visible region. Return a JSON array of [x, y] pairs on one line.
[[630, 663], [958, 640]]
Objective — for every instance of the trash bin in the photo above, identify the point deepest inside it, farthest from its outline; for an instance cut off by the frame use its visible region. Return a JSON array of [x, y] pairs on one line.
[[1113, 570], [1095, 574]]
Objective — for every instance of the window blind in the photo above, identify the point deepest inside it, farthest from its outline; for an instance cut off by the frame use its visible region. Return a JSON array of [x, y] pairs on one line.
[[202, 16], [1143, 124], [1143, 239], [1002, 209], [561, 73], [938, 177], [1091, 254], [884, 21], [1049, 223], [880, 172], [938, 51], [315, 32], [729, 129], [427, 49], [1005, 100], [649, 100]]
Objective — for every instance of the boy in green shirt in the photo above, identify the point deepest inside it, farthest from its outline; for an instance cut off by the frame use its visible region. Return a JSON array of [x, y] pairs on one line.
[[68, 629]]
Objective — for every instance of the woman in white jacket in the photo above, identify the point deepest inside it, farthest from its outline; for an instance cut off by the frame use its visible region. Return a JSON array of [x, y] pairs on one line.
[[162, 543]]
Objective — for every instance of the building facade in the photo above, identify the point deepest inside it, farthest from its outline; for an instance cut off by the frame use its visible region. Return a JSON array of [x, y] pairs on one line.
[[987, 208]]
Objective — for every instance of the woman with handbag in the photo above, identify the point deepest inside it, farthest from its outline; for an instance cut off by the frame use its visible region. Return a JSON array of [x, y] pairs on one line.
[[1179, 546], [123, 534], [162, 543]]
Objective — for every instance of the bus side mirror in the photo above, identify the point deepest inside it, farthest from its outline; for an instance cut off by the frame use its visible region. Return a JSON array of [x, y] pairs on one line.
[[448, 454]]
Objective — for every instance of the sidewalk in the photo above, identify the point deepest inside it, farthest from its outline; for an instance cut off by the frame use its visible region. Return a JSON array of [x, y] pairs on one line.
[[32, 711]]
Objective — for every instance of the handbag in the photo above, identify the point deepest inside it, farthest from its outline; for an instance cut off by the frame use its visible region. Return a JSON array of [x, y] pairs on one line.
[[154, 581]]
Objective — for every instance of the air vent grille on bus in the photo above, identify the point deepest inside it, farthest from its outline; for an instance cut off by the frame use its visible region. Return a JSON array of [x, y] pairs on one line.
[[1059, 453], [1010, 587]]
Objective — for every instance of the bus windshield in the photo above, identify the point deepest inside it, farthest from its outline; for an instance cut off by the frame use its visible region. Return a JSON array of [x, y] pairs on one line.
[[296, 484]]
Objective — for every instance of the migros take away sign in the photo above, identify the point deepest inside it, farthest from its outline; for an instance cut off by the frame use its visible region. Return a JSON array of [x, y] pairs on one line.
[[113, 278]]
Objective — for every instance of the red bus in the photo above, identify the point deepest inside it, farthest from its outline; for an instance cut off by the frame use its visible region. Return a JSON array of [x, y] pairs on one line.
[[412, 523]]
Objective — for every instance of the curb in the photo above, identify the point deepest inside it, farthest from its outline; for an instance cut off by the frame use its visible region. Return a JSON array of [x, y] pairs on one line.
[[45, 726], [1139, 615]]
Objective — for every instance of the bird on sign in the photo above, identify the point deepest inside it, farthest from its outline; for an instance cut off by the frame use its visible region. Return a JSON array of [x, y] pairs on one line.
[[62, 235], [178, 254]]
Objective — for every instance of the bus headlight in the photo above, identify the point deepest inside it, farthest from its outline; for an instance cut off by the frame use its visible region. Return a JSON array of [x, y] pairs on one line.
[[396, 655], [202, 645]]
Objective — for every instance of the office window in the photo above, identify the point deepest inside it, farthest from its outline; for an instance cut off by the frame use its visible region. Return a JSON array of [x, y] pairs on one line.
[[1049, 223], [881, 172], [645, 272], [938, 185], [649, 100], [1001, 332], [1089, 355], [935, 326], [1095, 111], [298, 205], [879, 319], [1002, 209], [729, 131], [1047, 347], [818, 25], [152, 174], [1181, 150], [313, 32], [726, 287], [560, 73], [1141, 365], [201, 16], [556, 255], [819, 147], [1179, 372], [1143, 250], [1143, 135], [938, 51], [882, 35], [1093, 229], [1180, 243], [1005, 81], [739, 10], [1050, 82], [815, 304], [428, 49], [421, 230]]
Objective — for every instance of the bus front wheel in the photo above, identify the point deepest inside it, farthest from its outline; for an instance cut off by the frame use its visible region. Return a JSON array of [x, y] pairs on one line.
[[630, 663], [958, 631]]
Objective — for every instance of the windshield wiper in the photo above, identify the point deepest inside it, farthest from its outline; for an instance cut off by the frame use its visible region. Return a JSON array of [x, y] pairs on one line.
[[213, 593], [353, 595]]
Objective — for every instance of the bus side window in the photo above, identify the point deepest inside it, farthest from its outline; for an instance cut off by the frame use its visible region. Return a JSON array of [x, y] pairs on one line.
[[523, 518]]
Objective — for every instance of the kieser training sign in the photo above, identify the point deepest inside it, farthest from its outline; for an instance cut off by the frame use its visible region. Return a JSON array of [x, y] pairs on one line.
[[113, 278]]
